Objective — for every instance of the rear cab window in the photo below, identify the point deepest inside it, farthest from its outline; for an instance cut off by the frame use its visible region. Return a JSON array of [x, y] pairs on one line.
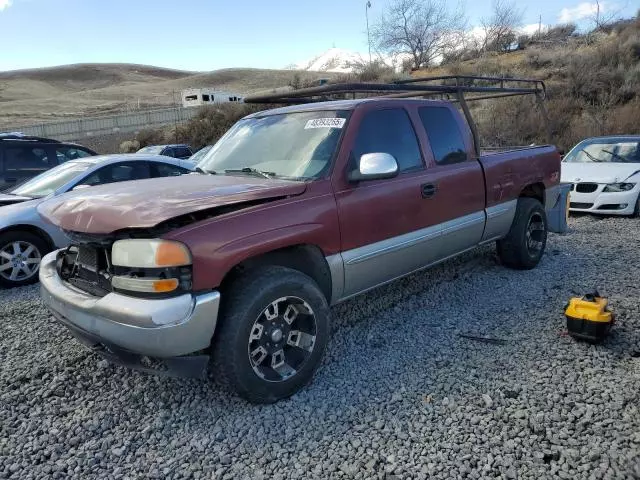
[[389, 131], [182, 152], [64, 154], [445, 137]]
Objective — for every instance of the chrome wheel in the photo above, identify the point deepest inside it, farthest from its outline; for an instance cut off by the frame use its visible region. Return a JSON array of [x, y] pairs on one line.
[[535, 234], [282, 339], [19, 261]]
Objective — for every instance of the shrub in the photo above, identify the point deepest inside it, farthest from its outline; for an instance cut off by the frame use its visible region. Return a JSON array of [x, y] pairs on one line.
[[129, 146], [212, 122], [150, 137]]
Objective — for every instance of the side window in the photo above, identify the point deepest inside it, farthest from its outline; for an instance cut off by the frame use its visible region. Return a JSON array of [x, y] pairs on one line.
[[444, 135], [119, 172], [65, 154], [168, 152], [166, 170], [182, 152], [389, 131], [26, 159]]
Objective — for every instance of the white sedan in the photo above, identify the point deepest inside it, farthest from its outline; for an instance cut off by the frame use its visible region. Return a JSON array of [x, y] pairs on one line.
[[605, 174]]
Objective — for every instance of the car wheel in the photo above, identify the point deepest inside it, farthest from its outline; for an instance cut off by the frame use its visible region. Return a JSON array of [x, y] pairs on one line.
[[20, 256], [524, 245], [273, 332], [636, 211]]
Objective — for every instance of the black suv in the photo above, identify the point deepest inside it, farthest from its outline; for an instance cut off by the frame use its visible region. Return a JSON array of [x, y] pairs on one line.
[[23, 157], [181, 150]]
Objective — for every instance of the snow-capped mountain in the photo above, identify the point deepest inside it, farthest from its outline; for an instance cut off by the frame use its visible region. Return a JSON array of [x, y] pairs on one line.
[[333, 60], [340, 60]]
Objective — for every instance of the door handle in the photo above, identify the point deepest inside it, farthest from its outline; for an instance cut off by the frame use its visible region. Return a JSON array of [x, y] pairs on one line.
[[428, 190]]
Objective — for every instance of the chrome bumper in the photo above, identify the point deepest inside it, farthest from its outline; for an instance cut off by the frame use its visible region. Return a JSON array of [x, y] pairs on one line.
[[162, 328]]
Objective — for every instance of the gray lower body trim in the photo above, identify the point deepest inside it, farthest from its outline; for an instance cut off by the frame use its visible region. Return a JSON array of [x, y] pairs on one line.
[[336, 268], [423, 267], [378, 263], [499, 220]]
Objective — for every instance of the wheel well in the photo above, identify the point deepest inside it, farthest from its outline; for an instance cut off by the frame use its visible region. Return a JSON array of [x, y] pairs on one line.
[[307, 259], [31, 229], [534, 190]]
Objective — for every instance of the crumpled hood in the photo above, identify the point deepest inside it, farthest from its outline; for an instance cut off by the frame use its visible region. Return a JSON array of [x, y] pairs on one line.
[[146, 203], [604, 172]]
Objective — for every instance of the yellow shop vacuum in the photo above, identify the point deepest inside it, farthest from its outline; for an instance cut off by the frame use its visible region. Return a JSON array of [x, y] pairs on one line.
[[589, 317]]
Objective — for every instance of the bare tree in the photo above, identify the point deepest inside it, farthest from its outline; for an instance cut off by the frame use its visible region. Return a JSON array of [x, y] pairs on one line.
[[604, 16], [425, 30], [500, 29]]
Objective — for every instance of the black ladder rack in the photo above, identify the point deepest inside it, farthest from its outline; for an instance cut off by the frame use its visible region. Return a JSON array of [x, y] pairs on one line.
[[453, 88]]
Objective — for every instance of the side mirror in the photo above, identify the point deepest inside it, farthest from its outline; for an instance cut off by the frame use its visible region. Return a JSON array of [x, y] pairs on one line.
[[80, 187], [375, 166]]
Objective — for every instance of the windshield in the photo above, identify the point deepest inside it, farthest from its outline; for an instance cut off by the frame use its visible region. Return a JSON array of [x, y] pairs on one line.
[[154, 149], [296, 146], [199, 155], [605, 150], [49, 181]]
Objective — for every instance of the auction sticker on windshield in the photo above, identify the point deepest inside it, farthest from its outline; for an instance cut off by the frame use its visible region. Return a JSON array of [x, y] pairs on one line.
[[325, 123]]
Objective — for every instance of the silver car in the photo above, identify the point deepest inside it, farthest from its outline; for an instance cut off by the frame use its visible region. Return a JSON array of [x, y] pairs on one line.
[[25, 237]]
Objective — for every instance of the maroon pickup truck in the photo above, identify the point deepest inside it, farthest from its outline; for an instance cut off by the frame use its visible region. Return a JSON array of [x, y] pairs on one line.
[[294, 209]]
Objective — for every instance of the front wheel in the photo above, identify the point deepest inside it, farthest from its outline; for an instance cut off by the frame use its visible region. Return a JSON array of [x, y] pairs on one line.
[[274, 328], [524, 245]]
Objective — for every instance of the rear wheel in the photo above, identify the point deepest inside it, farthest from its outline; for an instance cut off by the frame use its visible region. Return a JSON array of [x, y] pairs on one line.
[[273, 332], [525, 243], [20, 256]]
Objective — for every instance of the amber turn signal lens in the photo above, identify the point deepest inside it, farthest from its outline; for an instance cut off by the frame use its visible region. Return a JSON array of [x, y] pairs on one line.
[[163, 286], [172, 254]]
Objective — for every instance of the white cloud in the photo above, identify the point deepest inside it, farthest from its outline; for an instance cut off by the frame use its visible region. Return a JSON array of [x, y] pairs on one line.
[[533, 28], [581, 11], [4, 4]]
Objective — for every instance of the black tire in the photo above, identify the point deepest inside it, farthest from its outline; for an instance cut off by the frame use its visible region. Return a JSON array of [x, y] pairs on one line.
[[245, 304], [515, 250], [7, 240]]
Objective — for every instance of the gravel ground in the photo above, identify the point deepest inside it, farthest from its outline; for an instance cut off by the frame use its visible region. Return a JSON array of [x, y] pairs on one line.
[[400, 395]]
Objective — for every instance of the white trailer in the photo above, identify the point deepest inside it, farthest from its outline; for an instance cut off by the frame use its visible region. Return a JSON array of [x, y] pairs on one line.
[[197, 97]]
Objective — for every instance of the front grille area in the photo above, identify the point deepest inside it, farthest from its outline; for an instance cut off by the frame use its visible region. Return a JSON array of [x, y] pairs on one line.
[[586, 187], [87, 268], [612, 206], [580, 205]]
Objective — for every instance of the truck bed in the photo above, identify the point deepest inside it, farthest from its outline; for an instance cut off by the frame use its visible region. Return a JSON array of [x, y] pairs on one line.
[[508, 172]]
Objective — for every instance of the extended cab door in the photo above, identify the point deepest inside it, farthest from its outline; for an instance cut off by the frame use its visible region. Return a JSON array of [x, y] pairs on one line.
[[394, 226], [457, 176]]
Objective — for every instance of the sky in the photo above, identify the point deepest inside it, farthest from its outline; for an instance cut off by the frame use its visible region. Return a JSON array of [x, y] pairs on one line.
[[203, 35]]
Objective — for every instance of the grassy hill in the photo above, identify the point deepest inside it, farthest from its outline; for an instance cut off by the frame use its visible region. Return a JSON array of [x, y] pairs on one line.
[[593, 86], [73, 91]]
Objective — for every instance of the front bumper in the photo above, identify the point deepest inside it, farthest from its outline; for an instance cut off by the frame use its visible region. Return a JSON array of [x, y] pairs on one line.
[[606, 203], [130, 327]]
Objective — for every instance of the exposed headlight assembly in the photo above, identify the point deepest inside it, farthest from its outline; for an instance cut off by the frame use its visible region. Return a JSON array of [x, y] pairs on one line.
[[150, 266], [619, 187]]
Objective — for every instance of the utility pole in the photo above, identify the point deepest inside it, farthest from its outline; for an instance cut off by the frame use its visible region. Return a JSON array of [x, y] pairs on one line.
[[540, 27], [175, 115], [366, 13]]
